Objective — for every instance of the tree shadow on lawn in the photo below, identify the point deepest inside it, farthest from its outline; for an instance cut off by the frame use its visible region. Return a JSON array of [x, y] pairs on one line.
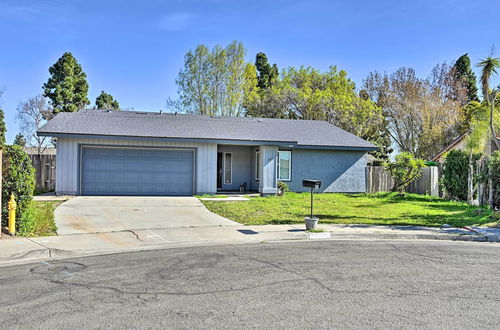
[[327, 218], [460, 219]]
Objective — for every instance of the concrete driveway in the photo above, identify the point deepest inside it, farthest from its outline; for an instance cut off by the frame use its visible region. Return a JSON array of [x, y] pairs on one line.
[[108, 214]]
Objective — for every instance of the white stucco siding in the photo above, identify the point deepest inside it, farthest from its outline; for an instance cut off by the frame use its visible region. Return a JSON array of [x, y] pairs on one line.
[[67, 161]]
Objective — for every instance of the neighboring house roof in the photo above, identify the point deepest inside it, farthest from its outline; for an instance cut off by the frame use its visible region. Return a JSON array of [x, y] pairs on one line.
[[453, 145], [449, 147], [199, 127], [34, 151]]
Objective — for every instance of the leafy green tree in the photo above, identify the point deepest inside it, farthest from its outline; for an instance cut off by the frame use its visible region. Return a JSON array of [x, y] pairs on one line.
[[3, 128], [463, 71], [20, 140], [267, 73], [106, 101], [404, 170], [67, 86], [212, 82], [306, 93], [478, 137]]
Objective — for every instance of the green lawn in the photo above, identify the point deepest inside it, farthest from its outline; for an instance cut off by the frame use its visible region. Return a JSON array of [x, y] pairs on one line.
[[40, 219], [381, 208]]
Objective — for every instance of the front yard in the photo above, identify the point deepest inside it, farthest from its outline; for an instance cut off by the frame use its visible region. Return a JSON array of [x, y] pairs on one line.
[[381, 209]]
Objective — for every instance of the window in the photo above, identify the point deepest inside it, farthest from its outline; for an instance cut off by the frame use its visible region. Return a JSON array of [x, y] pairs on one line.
[[284, 165], [228, 168], [257, 165]]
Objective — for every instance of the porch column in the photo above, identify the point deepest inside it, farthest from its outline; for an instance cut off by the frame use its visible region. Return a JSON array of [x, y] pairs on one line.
[[268, 158]]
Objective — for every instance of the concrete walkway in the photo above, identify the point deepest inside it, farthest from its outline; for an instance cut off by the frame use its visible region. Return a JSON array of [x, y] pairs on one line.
[[87, 215], [21, 250]]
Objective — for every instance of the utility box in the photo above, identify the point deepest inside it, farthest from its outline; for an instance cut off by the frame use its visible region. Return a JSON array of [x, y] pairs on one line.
[[313, 184]]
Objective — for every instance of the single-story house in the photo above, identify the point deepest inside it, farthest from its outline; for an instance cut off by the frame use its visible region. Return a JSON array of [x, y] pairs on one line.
[[144, 153]]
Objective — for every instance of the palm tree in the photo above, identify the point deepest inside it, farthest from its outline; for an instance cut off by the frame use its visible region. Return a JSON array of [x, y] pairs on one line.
[[489, 67]]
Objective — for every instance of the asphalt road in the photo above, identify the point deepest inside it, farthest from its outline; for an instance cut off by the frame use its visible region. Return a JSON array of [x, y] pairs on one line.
[[333, 284]]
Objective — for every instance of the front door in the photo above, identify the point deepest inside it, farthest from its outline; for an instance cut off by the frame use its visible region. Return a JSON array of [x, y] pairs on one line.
[[219, 171]]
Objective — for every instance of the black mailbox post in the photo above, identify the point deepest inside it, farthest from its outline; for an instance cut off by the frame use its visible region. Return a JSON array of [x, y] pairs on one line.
[[313, 184]]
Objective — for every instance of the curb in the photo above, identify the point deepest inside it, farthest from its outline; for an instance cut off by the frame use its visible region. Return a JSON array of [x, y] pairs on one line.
[[58, 254], [438, 237]]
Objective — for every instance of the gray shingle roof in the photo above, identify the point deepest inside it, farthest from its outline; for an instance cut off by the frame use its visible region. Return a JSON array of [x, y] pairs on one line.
[[183, 126]]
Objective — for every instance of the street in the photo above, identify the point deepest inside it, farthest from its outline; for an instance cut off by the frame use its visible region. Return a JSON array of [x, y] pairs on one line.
[[330, 284]]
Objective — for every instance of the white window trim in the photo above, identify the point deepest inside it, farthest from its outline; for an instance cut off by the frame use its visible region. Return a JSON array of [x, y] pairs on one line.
[[289, 169], [257, 174], [224, 167]]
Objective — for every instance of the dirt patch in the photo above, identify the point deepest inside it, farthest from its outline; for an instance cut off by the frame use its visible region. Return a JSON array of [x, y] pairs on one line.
[[4, 234]]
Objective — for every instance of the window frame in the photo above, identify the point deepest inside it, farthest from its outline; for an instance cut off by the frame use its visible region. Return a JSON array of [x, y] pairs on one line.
[[224, 167], [257, 165], [289, 169]]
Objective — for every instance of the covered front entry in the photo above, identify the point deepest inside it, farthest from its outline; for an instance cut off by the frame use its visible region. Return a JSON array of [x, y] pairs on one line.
[[124, 171], [249, 168]]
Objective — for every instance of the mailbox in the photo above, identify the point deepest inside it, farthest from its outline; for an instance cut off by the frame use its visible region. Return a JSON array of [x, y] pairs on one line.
[[313, 184]]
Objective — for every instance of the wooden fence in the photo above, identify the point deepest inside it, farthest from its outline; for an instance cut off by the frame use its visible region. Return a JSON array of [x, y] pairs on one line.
[[379, 180], [45, 171]]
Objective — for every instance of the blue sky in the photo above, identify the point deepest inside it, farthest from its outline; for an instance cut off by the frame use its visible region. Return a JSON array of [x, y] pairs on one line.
[[134, 49]]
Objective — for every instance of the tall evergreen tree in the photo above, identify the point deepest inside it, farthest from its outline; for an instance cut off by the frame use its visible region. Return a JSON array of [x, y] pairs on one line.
[[463, 71], [67, 86], [20, 140], [266, 74], [3, 128], [106, 101]]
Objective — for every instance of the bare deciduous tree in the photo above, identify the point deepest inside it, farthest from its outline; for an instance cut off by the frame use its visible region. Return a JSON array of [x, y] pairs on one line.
[[422, 113], [31, 115]]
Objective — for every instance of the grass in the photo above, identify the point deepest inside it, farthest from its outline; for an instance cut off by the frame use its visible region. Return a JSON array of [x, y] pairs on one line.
[[212, 196], [316, 230], [39, 219], [379, 209]]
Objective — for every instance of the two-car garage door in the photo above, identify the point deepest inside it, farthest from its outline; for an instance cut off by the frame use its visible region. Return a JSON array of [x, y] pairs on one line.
[[136, 171]]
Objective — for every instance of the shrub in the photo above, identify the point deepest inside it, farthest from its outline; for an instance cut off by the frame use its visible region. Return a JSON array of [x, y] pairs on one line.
[[456, 172], [494, 165], [19, 179], [404, 170], [282, 188]]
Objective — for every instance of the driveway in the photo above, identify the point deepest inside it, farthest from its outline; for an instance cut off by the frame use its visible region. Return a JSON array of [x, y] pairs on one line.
[[81, 215]]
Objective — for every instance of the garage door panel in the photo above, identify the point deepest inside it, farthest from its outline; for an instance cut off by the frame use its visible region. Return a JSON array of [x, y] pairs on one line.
[[129, 171]]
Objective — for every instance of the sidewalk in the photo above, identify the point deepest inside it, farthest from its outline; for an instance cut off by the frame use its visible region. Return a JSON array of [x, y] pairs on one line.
[[22, 250]]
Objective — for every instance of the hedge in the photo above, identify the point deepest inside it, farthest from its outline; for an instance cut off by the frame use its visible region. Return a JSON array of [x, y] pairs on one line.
[[18, 177], [456, 173]]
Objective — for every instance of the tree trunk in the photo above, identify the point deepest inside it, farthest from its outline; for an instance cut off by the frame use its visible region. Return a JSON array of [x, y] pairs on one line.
[[470, 182], [490, 187], [492, 125]]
